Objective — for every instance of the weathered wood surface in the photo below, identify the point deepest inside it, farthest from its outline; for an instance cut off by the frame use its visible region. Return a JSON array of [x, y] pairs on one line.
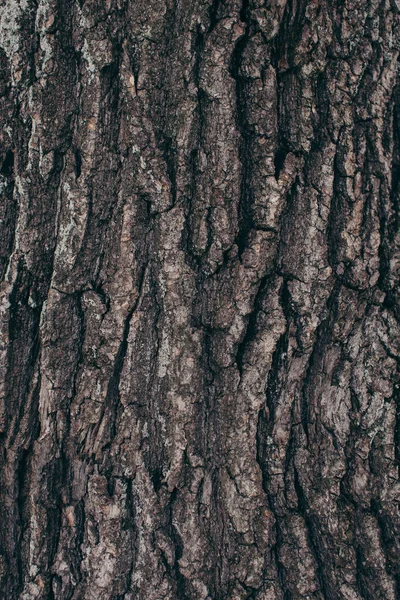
[[199, 262]]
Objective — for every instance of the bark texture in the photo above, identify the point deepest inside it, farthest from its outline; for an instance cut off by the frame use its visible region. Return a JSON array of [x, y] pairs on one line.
[[199, 262]]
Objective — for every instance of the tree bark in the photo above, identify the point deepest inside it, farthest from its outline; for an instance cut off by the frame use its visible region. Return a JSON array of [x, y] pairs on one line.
[[199, 263]]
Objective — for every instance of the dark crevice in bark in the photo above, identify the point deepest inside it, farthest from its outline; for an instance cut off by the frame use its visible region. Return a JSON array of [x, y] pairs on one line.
[[178, 547], [23, 331], [210, 444], [395, 189], [277, 372], [87, 235], [396, 398], [51, 503], [346, 489], [134, 55], [22, 483], [279, 160], [283, 47], [129, 524], [362, 574], [112, 398], [264, 425], [110, 100], [193, 257], [282, 147], [251, 329], [7, 167], [217, 531], [390, 216], [214, 15], [156, 476], [81, 330], [337, 213], [388, 541], [316, 543], [245, 149], [276, 549], [24, 468], [198, 49], [153, 450], [323, 336], [323, 104], [168, 150], [266, 420], [104, 297], [274, 384], [53, 178], [244, 13], [78, 163], [384, 249], [55, 586], [76, 551], [251, 592], [9, 215]]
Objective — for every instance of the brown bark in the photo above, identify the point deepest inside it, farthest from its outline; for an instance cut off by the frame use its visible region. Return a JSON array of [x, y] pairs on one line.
[[199, 262]]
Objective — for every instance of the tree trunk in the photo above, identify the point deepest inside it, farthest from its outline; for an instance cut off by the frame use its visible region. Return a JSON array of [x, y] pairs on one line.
[[199, 262]]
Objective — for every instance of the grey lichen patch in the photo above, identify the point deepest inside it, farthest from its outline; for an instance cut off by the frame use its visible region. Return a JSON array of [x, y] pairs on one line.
[[12, 13]]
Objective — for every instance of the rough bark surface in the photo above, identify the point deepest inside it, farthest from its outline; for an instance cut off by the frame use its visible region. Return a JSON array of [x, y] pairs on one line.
[[199, 262]]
